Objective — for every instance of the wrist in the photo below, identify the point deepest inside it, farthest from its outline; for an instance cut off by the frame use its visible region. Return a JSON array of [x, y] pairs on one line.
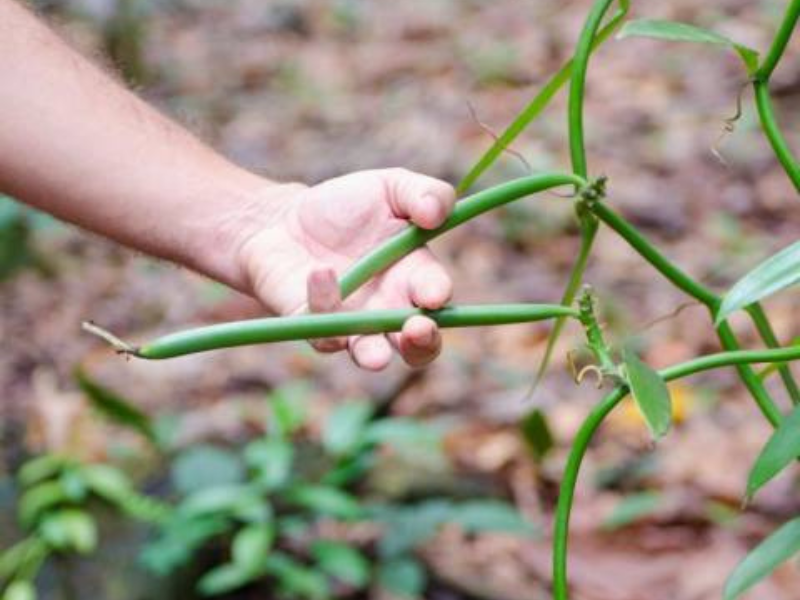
[[225, 230]]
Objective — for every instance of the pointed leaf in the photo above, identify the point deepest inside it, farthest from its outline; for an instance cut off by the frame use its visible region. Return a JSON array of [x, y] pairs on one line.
[[38, 499], [20, 590], [650, 393], [778, 272], [343, 430], [537, 433], [271, 459], [70, 529], [251, 545], [683, 32], [114, 407], [224, 578], [490, 515], [342, 561], [206, 467], [633, 508], [782, 448], [295, 580], [287, 406], [325, 500], [404, 577], [41, 467], [764, 559]]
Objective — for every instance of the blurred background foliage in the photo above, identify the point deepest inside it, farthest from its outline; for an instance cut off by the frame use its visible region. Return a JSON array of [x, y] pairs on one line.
[[273, 472]]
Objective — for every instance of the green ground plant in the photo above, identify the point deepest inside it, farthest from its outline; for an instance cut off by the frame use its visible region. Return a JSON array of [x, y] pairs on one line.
[[262, 513], [57, 498], [623, 370]]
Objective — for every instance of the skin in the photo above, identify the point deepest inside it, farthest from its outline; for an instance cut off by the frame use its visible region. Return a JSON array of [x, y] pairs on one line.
[[77, 144]]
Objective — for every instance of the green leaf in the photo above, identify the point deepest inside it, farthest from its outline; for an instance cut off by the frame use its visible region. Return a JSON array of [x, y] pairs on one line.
[[404, 576], [205, 466], [408, 527], [20, 590], [778, 272], [39, 499], [232, 501], [683, 32], [537, 434], [271, 460], [325, 500], [14, 558], [287, 409], [764, 559], [251, 545], [782, 448], [224, 578], [632, 508], [650, 393], [180, 538], [402, 432], [108, 482], [73, 483], [342, 433], [296, 580], [115, 407], [70, 529], [343, 562], [490, 515], [535, 107], [41, 467]]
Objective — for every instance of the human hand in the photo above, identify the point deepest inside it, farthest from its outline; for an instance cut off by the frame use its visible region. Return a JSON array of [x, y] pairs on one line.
[[313, 234]]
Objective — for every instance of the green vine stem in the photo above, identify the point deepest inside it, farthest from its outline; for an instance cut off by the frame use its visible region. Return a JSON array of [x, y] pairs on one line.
[[694, 289], [414, 237], [779, 42], [577, 148], [593, 421], [766, 112], [301, 327], [769, 124], [569, 480], [698, 291], [583, 50], [764, 328]]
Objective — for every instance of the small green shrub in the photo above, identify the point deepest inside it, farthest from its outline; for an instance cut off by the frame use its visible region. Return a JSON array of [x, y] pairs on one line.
[[262, 513]]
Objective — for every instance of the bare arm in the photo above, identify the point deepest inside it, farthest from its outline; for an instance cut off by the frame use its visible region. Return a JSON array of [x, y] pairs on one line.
[[75, 143]]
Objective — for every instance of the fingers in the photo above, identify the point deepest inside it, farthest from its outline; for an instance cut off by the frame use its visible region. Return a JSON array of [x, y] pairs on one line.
[[370, 352], [424, 200], [324, 297], [429, 285], [419, 342]]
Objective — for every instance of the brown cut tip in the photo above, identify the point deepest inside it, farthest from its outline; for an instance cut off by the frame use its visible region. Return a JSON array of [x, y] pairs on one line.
[[120, 346]]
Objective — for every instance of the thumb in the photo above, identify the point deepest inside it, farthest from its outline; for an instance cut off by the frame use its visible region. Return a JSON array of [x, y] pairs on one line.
[[423, 200]]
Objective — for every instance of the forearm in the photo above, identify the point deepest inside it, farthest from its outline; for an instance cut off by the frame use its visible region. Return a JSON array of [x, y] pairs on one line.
[[76, 144]]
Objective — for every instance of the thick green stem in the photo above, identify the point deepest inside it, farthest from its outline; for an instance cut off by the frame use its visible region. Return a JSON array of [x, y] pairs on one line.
[[567, 490], [738, 359], [577, 88], [749, 377], [775, 52], [693, 288], [649, 252], [769, 123], [764, 327], [413, 237], [301, 327]]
